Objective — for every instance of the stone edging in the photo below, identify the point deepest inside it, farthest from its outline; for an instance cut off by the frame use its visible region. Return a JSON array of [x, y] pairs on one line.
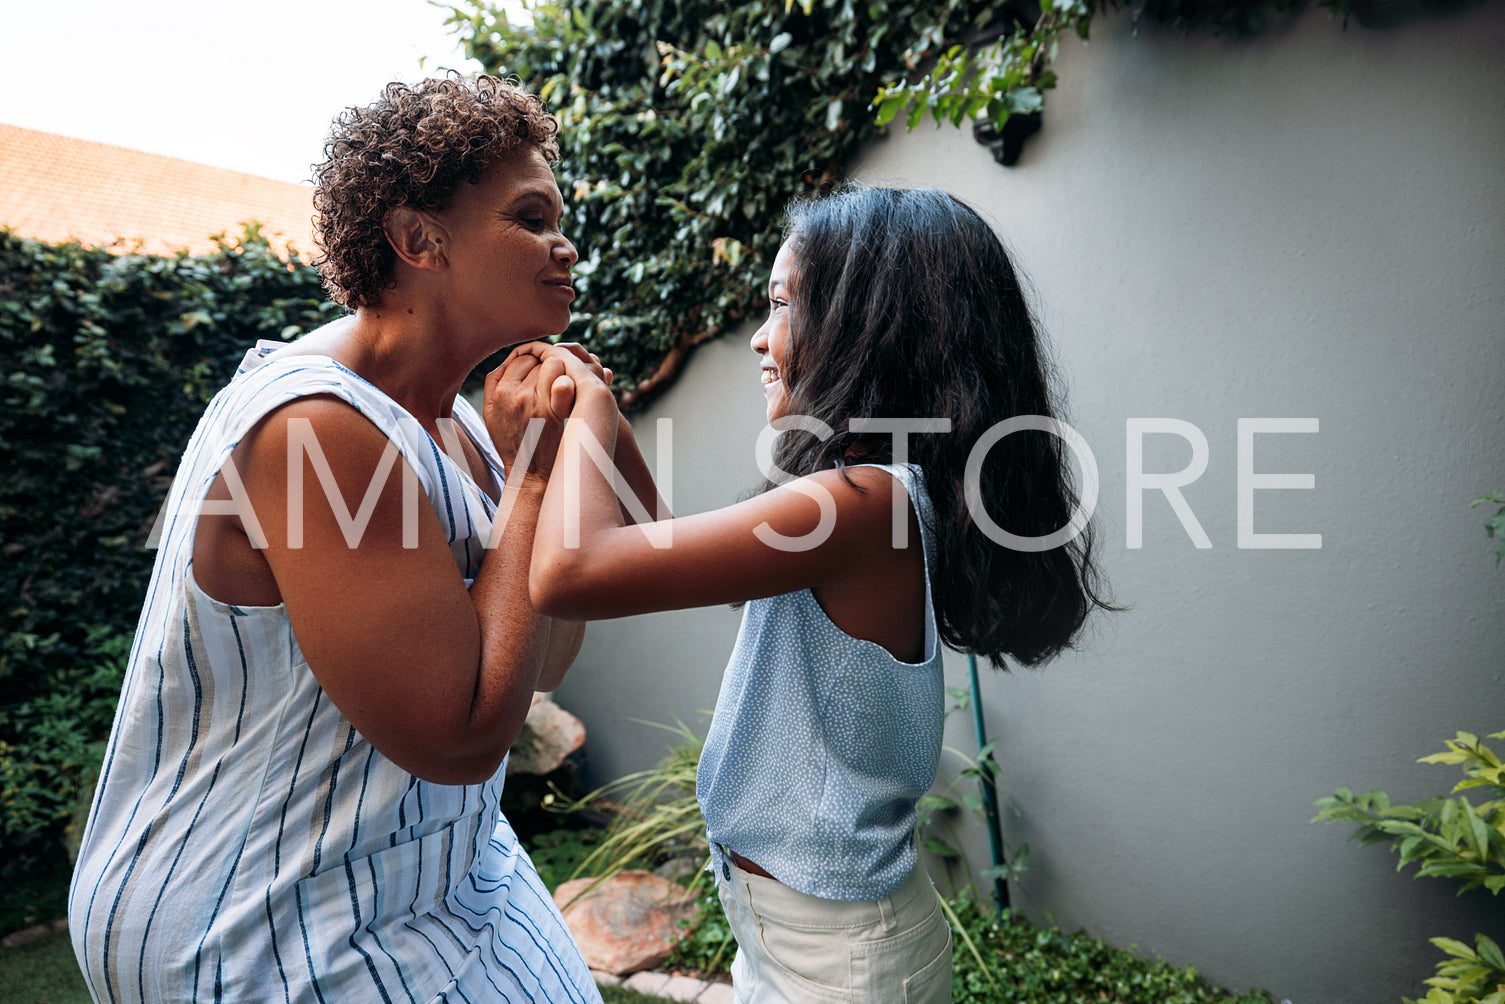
[[678, 988]]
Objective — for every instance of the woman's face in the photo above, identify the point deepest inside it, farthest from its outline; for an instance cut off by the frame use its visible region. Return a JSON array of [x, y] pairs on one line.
[[509, 262], [772, 341]]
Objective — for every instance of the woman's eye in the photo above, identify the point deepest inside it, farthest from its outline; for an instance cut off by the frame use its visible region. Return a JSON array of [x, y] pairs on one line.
[[531, 222]]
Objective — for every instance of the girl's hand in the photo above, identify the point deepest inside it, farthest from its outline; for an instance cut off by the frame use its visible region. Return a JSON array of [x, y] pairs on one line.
[[536, 380], [579, 365]]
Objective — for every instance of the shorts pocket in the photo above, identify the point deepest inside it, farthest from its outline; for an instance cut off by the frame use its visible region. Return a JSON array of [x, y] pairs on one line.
[[917, 959], [811, 962], [932, 984]]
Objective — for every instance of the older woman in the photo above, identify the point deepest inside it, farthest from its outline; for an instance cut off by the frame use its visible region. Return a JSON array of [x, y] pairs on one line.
[[300, 796]]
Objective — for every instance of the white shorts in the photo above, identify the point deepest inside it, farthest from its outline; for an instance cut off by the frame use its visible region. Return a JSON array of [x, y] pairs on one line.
[[792, 947]]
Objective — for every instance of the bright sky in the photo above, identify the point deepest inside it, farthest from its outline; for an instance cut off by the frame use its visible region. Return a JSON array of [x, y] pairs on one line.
[[250, 86]]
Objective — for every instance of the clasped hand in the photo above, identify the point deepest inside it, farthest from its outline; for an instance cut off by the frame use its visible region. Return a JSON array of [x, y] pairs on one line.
[[537, 380]]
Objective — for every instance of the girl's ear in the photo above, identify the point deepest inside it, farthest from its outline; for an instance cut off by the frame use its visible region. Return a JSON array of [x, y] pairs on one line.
[[419, 239]]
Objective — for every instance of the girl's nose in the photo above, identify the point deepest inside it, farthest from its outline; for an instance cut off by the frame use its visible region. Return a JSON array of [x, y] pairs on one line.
[[760, 339]]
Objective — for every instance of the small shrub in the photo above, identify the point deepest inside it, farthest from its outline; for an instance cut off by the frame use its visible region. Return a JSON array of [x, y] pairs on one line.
[[707, 946], [557, 854], [659, 819], [1014, 960], [1448, 837], [47, 768]]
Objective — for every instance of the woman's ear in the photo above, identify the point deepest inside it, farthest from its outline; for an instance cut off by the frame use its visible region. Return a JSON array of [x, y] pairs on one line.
[[419, 239]]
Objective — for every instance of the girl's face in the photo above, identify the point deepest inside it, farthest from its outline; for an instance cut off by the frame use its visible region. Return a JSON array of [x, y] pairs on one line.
[[771, 341]]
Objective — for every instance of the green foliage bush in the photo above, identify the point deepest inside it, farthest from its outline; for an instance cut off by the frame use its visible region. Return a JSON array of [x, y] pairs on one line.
[[1446, 837], [1007, 70], [557, 854], [48, 768], [1494, 527], [106, 363], [1018, 961], [655, 817]]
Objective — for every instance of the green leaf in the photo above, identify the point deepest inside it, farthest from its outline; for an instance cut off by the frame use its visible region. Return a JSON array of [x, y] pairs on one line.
[[1490, 953], [780, 42], [1456, 948], [1478, 830], [935, 803], [941, 849]]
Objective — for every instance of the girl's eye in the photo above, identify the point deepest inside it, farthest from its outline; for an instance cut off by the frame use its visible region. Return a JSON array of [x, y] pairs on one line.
[[775, 304]]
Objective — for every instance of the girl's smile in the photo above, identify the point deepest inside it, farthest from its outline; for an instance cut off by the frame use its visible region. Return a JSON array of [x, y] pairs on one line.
[[772, 341]]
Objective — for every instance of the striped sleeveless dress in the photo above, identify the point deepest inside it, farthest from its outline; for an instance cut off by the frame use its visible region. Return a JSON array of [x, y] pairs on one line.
[[245, 842]]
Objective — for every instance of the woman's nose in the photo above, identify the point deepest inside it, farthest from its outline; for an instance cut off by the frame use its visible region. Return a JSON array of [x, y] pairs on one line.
[[566, 253]]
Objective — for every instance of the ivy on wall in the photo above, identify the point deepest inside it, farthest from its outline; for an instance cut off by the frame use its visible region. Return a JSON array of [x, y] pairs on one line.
[[688, 125], [998, 80], [686, 128]]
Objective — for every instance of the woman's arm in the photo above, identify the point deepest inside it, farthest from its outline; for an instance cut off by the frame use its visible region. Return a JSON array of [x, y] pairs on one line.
[[435, 676]]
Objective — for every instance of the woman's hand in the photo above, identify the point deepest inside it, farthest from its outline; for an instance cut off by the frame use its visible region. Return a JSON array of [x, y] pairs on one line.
[[536, 380]]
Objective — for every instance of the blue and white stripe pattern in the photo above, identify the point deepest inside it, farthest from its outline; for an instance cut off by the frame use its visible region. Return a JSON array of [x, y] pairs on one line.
[[245, 842], [821, 743]]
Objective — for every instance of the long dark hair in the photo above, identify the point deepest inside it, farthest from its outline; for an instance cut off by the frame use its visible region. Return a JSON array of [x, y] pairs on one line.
[[904, 304]]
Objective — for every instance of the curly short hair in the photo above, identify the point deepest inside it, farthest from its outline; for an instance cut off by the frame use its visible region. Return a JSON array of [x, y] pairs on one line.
[[412, 147]]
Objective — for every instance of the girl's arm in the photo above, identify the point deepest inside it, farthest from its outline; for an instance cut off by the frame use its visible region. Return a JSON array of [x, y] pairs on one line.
[[819, 531], [634, 470]]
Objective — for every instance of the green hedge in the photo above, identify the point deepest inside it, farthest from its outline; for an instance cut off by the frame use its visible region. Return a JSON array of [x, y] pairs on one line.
[[106, 363]]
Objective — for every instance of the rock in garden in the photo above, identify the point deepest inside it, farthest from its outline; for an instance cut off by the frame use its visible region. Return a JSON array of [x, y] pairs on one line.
[[629, 922], [681, 867], [549, 735]]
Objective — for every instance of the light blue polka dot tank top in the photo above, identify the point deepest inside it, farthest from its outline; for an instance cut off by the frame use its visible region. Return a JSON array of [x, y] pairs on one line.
[[821, 743]]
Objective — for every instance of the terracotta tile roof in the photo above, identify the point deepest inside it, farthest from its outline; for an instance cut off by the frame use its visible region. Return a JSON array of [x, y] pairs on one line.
[[55, 188]]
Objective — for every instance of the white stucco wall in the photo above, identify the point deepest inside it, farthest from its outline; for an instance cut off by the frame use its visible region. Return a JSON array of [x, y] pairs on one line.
[[1308, 225]]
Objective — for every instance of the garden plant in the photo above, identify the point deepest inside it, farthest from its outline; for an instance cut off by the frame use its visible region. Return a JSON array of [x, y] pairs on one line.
[[1448, 837]]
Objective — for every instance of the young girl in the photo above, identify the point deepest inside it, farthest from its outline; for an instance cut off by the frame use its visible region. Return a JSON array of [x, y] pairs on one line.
[[897, 336]]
